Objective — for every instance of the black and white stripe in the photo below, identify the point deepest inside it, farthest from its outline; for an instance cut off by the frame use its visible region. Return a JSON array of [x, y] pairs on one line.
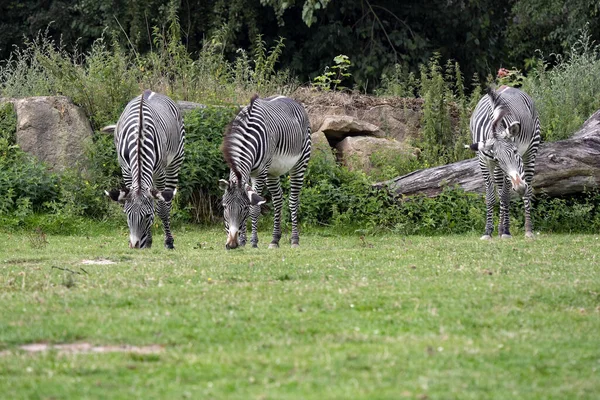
[[149, 138], [506, 133], [267, 139]]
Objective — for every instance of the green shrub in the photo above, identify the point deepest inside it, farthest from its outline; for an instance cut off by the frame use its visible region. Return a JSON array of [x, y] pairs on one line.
[[25, 184], [567, 93], [199, 192]]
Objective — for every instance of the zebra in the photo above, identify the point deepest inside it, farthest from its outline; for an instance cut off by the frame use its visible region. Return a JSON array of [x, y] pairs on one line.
[[506, 134], [268, 138], [149, 138]]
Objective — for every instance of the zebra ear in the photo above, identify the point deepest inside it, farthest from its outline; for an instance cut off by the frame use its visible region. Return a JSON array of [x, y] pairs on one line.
[[514, 128], [118, 195], [223, 184], [109, 129], [255, 199], [166, 195], [474, 146]]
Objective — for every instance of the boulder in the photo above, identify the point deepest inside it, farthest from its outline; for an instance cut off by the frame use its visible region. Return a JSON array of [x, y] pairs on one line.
[[336, 128], [400, 123], [357, 152], [53, 129]]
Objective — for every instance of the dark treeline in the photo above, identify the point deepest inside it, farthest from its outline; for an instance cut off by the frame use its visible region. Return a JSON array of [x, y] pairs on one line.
[[482, 35]]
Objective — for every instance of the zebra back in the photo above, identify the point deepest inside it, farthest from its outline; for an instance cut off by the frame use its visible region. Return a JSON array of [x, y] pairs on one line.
[[149, 137], [498, 109], [266, 128]]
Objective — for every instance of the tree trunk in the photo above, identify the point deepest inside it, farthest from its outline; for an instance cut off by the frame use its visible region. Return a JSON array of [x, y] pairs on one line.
[[565, 167]]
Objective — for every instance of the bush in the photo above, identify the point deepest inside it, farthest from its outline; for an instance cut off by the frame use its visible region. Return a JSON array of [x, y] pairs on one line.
[[25, 184], [566, 94], [199, 193]]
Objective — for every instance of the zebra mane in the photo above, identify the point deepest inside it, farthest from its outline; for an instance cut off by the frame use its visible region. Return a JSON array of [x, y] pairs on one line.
[[228, 148], [140, 141], [252, 100], [499, 108]]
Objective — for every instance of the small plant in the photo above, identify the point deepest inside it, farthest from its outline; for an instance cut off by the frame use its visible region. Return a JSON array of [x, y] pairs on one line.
[[37, 239], [510, 77], [334, 75]]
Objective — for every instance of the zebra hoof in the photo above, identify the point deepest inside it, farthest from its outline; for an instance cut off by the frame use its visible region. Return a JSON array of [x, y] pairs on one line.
[[529, 235], [295, 245], [486, 237], [506, 236], [273, 246]]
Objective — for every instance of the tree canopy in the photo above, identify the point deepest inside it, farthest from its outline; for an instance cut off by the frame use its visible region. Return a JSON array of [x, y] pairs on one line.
[[482, 35]]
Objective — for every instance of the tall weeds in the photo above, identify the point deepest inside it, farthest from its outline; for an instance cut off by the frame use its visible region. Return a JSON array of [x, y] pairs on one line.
[[567, 93]]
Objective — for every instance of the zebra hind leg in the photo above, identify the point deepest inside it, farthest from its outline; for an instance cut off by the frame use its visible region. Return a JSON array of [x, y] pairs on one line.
[[296, 180], [274, 186]]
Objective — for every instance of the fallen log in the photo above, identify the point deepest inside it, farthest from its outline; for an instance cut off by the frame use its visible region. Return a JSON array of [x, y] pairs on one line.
[[565, 167]]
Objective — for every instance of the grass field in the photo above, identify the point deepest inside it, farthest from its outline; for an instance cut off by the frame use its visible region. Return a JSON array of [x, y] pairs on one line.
[[384, 317]]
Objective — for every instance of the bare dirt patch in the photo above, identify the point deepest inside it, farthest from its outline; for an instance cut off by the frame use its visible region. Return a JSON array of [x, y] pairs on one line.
[[99, 261], [87, 348]]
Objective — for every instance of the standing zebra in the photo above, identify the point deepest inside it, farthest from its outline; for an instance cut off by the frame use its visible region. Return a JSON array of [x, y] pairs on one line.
[[266, 139], [149, 139], [506, 133]]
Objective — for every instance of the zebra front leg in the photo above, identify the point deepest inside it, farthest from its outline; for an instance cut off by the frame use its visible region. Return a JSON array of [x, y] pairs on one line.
[[490, 200], [527, 206], [164, 211], [254, 215], [504, 223], [242, 238], [274, 186], [258, 185]]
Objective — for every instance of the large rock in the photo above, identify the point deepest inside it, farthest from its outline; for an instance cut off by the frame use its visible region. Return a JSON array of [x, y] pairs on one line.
[[337, 127], [357, 151], [53, 129]]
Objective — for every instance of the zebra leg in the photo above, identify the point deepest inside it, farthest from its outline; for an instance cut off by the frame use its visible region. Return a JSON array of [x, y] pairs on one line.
[[274, 186], [168, 181], [296, 181], [258, 185], [242, 238], [490, 200], [527, 204], [164, 211], [504, 223], [528, 167]]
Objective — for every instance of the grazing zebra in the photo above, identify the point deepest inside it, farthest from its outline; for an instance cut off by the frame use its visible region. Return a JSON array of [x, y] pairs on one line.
[[266, 139], [506, 133], [149, 138]]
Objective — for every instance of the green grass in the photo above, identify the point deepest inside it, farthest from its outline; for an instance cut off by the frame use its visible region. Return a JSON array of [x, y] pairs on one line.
[[386, 317]]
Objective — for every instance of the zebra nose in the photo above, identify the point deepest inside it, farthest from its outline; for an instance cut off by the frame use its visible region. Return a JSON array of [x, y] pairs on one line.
[[518, 184], [134, 246], [232, 240]]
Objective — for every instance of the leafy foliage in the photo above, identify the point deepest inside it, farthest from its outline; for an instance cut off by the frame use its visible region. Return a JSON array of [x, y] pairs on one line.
[[199, 192], [568, 93]]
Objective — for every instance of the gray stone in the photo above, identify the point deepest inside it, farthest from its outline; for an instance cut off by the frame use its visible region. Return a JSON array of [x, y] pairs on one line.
[[54, 130], [338, 127], [356, 151]]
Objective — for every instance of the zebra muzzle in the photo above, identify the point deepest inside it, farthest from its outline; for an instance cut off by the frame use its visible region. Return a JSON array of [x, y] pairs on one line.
[[232, 240], [518, 184]]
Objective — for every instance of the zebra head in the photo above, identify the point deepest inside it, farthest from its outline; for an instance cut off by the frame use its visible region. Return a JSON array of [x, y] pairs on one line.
[[237, 199], [139, 207], [502, 149]]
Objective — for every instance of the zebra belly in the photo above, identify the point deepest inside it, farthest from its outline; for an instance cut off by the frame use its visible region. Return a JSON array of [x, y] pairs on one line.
[[282, 163]]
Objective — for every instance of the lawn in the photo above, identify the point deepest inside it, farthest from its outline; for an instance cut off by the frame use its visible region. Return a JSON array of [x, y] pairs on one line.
[[384, 317]]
